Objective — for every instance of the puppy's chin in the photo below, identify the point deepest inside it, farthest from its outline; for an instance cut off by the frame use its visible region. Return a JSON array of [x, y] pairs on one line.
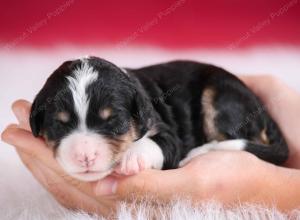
[[91, 175]]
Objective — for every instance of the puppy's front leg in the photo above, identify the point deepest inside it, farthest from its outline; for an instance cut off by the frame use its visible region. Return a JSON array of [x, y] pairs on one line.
[[142, 154]]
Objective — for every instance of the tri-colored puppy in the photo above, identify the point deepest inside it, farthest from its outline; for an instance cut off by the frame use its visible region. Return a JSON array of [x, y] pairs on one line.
[[96, 116]]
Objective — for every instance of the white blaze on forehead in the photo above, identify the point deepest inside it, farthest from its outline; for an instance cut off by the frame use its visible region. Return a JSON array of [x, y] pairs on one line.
[[81, 78]]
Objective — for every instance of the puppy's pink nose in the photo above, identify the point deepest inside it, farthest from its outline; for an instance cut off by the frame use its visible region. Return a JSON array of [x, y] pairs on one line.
[[86, 159], [85, 152]]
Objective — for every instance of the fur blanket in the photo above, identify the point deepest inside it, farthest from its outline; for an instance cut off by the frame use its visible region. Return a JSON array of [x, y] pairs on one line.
[[178, 210]]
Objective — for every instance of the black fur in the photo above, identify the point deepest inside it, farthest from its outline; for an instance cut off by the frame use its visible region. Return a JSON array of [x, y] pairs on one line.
[[176, 88], [165, 96]]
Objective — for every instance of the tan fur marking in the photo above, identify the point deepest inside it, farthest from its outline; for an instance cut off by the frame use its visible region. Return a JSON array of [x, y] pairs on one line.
[[264, 137], [105, 113], [210, 114], [63, 116], [121, 144]]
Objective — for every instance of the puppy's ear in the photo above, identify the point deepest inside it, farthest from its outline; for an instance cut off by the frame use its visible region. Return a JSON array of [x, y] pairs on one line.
[[142, 112], [56, 81], [37, 114]]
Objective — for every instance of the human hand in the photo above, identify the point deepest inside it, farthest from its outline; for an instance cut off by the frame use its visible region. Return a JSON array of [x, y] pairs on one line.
[[283, 103]]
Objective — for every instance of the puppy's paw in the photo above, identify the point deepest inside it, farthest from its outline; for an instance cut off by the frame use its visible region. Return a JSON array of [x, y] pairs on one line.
[[142, 154], [132, 163], [197, 152]]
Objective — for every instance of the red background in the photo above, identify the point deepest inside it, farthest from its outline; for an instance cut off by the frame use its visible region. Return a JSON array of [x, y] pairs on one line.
[[191, 24]]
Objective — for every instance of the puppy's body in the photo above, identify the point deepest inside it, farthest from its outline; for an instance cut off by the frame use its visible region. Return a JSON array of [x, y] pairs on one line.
[[198, 103], [149, 117]]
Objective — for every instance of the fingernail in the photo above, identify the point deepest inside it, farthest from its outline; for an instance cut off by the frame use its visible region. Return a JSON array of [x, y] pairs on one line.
[[106, 187]]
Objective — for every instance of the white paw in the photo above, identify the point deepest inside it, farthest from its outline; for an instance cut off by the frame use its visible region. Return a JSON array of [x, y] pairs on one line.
[[197, 152], [191, 155], [142, 154], [132, 163]]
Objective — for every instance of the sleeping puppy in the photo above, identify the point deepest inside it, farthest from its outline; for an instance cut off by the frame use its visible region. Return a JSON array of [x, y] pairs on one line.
[[97, 117]]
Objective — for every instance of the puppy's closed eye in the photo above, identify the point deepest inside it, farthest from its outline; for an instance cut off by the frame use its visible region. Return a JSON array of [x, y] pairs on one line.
[[105, 113]]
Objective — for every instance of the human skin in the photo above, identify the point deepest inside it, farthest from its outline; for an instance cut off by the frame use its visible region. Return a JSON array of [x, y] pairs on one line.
[[238, 176], [283, 103]]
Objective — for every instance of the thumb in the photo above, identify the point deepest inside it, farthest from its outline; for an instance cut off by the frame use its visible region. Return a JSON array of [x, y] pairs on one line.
[[154, 183]]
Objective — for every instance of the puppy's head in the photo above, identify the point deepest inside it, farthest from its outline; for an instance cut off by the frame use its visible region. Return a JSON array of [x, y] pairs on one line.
[[89, 111]]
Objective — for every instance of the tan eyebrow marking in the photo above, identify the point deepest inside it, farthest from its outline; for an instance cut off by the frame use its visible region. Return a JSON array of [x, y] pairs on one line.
[[105, 113], [63, 116]]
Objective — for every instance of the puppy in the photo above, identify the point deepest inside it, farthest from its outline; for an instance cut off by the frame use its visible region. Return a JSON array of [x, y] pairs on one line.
[[97, 117]]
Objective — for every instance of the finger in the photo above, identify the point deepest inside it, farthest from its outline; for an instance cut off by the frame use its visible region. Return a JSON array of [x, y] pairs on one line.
[[24, 141], [28, 161], [257, 83], [70, 196], [153, 183], [268, 87], [277, 97], [37, 150], [21, 109], [66, 194], [32, 164]]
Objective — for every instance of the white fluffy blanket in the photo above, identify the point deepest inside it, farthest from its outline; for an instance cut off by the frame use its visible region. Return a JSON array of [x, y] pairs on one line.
[[178, 210], [24, 71]]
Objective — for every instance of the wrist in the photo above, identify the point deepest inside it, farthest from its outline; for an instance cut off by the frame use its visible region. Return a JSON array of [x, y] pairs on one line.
[[282, 188]]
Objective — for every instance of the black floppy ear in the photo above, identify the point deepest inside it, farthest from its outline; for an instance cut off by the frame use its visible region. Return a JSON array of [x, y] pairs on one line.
[[37, 115], [47, 95], [142, 112]]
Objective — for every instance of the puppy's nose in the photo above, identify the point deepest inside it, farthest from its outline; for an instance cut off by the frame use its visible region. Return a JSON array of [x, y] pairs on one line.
[[86, 159], [84, 153]]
